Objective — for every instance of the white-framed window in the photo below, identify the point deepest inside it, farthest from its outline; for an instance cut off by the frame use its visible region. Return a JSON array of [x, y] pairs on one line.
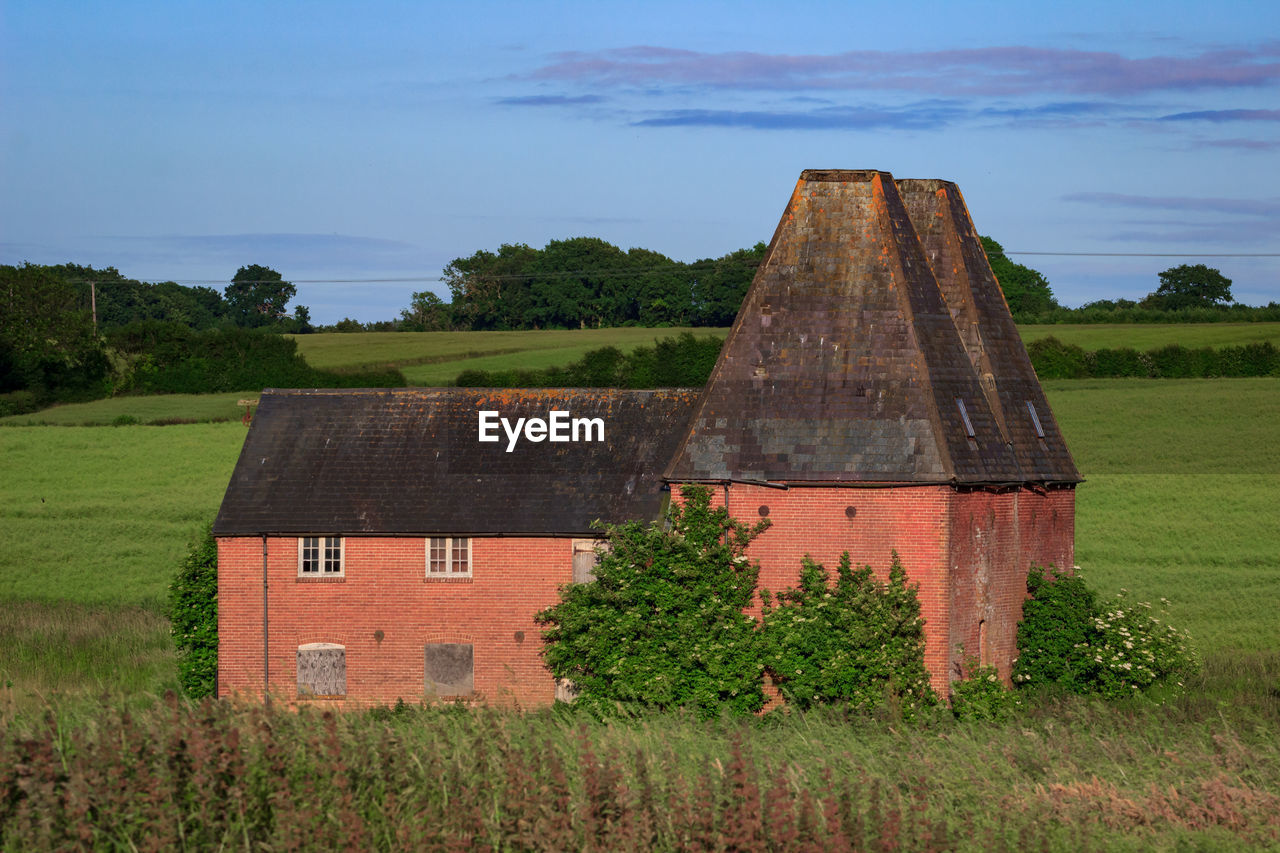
[[320, 556], [448, 557]]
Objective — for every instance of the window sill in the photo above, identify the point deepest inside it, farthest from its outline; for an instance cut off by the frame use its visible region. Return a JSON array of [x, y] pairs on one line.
[[335, 697], [340, 579], [448, 579]]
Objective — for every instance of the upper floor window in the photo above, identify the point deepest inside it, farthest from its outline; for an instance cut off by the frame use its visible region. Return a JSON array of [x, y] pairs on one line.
[[448, 557], [320, 556]]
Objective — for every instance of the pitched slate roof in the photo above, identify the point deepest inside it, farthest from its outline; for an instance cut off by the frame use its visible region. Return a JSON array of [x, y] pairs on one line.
[[844, 364], [408, 461], [987, 330]]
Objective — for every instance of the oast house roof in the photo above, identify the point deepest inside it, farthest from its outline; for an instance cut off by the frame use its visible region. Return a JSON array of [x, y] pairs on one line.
[[408, 461], [848, 363]]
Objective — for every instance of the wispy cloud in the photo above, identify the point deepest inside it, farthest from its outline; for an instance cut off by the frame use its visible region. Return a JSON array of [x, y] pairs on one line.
[[1219, 116], [917, 117], [1241, 144], [991, 71], [550, 100], [1232, 206]]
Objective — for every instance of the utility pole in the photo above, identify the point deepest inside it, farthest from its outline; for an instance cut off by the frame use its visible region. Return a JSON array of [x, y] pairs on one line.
[[93, 304]]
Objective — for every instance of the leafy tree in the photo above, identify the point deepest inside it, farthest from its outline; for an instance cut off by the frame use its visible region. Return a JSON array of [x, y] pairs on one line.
[[257, 296], [662, 626], [302, 320], [857, 642], [720, 284], [47, 341], [1190, 286], [1026, 290], [193, 617], [426, 313]]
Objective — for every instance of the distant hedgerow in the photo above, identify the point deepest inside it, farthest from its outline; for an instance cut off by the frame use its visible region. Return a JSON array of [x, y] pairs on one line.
[[193, 614]]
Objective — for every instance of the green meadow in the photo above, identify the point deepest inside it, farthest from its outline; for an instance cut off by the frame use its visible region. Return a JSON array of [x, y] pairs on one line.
[[1145, 336]]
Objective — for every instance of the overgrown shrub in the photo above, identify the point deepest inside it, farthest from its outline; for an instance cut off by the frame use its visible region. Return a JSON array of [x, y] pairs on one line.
[[663, 624], [193, 614], [1068, 640], [1054, 359], [859, 642], [982, 695], [1135, 650], [1053, 636]]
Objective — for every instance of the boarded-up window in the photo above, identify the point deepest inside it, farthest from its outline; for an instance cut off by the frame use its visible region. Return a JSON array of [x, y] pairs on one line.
[[450, 669], [322, 670], [585, 559]]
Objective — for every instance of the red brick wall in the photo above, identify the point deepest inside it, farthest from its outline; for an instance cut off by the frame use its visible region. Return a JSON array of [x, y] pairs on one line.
[[914, 521], [384, 590], [968, 551], [995, 537]]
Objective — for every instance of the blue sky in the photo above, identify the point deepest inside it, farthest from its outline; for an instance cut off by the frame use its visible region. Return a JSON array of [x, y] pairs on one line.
[[178, 140]]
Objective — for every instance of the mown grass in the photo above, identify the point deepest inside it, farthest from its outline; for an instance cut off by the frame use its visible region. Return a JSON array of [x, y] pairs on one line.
[[405, 349], [144, 409], [101, 515], [1145, 336]]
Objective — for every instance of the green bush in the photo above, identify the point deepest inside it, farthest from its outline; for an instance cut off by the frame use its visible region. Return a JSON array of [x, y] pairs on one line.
[[981, 695], [1134, 650], [662, 626], [1054, 359], [193, 614], [1053, 635], [1068, 640], [860, 642]]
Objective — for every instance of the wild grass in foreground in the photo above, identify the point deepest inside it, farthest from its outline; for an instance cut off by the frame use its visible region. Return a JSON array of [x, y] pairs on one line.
[[75, 650], [1070, 774]]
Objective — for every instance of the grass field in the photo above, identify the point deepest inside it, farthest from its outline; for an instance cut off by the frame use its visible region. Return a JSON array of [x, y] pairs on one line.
[[198, 408], [1145, 336]]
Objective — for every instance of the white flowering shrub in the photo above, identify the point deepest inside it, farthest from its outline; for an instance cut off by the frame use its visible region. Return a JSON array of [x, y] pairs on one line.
[[1133, 647], [1069, 639]]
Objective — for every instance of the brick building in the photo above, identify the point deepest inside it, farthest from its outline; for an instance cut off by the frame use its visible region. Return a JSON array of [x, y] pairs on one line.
[[873, 395]]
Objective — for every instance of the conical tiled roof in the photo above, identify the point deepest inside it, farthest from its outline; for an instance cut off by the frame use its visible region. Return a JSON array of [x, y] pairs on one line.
[[845, 364], [986, 328]]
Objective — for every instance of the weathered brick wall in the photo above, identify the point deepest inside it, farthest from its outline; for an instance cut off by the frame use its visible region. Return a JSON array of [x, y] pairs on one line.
[[968, 551], [384, 589], [914, 521], [995, 537]]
